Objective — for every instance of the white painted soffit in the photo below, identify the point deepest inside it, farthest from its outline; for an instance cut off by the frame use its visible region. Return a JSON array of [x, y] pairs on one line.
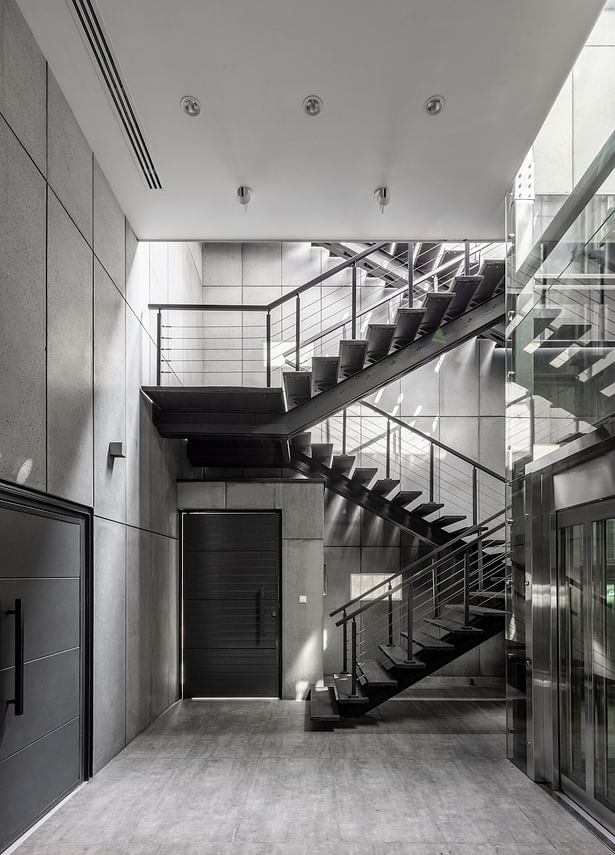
[[499, 65]]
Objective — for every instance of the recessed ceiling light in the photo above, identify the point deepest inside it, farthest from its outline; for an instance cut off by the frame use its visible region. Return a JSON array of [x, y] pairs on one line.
[[312, 105], [434, 105], [190, 105]]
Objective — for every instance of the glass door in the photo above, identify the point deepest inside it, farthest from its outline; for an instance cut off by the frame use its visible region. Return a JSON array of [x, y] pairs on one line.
[[586, 636]]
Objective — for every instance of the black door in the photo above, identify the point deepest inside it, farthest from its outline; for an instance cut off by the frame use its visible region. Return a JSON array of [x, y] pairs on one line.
[[231, 592], [42, 727]]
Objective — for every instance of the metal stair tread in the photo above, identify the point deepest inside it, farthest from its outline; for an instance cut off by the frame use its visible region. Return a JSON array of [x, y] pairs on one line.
[[324, 373], [426, 508], [453, 627], [397, 656], [351, 357], [407, 324], [463, 289], [406, 497], [323, 705], [364, 476], [498, 595], [322, 452], [301, 444], [492, 271], [376, 676], [448, 519], [343, 463], [428, 642], [343, 688], [436, 306], [298, 386], [476, 610], [379, 338], [385, 485]]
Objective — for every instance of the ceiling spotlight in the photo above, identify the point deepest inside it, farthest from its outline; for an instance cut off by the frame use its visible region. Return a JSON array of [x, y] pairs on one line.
[[244, 194], [434, 105], [190, 105], [312, 105], [382, 197]]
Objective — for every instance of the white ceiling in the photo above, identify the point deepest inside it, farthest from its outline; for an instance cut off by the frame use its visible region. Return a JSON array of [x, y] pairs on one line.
[[498, 63]]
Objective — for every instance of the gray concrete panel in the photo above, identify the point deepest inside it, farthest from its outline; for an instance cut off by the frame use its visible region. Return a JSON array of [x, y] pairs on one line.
[[159, 623], [459, 381], [23, 99], [70, 359], [246, 495], [109, 230], [109, 641], [69, 160], [222, 265], [22, 304], [109, 396], [201, 495], [342, 526], [300, 263], [302, 623], [174, 622], [302, 504], [492, 368], [138, 279], [138, 631], [377, 532], [159, 273], [262, 264], [341, 561], [139, 427]]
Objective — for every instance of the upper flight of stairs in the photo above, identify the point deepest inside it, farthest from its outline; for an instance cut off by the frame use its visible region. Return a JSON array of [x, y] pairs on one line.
[[420, 334]]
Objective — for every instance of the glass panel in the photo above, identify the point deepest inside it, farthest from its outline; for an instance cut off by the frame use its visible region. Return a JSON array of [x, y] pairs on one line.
[[572, 655], [603, 574]]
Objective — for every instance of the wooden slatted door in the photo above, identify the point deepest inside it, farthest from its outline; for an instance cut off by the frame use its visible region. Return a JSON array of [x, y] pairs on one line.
[[231, 604]]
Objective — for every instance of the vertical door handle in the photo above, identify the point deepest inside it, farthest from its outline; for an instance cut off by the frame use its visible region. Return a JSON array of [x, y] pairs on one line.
[[261, 614], [19, 656]]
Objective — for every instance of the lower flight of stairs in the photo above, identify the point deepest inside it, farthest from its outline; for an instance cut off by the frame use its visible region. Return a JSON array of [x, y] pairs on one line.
[[437, 641]]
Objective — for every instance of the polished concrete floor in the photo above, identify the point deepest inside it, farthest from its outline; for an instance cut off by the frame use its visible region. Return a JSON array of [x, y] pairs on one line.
[[249, 778]]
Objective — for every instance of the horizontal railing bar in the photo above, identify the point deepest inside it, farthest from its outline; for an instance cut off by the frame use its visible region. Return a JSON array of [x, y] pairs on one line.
[[471, 531], [475, 464], [206, 307]]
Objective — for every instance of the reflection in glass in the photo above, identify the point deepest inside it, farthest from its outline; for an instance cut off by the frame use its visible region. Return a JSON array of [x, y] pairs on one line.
[[572, 657], [603, 575]]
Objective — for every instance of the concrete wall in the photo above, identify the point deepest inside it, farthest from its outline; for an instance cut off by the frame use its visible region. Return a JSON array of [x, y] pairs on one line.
[[76, 345], [301, 503]]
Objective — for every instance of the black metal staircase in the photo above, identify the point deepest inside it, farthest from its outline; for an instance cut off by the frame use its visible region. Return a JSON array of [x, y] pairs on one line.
[[417, 621]]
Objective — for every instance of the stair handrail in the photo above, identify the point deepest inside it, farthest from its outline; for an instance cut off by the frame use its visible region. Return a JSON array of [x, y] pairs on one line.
[[476, 529], [392, 294], [433, 441]]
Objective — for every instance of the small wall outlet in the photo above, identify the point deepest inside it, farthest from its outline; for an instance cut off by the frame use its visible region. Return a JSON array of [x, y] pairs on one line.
[[302, 599]]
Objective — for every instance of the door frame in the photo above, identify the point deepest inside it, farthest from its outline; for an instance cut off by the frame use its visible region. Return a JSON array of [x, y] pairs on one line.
[[583, 515], [279, 636], [36, 502]]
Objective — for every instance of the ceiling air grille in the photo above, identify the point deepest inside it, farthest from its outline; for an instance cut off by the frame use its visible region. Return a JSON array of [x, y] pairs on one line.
[[110, 75]]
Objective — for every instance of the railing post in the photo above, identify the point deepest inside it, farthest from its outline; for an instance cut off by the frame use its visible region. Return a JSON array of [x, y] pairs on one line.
[[466, 588], [345, 643], [354, 301], [466, 258], [388, 467], [390, 611], [344, 427], [409, 623], [353, 673], [431, 471], [297, 331], [434, 588], [158, 347], [410, 274], [475, 496], [268, 350]]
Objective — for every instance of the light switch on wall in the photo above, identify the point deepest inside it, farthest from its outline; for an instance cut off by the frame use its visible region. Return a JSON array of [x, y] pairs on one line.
[[302, 599]]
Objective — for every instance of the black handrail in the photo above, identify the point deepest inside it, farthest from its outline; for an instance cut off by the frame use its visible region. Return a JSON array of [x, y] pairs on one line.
[[468, 533], [217, 307], [434, 441], [408, 581]]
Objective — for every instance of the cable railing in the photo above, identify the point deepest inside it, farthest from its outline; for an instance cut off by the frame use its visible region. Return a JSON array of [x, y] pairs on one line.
[[250, 345], [421, 463], [394, 610]]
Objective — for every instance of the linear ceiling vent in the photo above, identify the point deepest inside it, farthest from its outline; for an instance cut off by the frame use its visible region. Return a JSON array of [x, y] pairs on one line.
[[110, 75]]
